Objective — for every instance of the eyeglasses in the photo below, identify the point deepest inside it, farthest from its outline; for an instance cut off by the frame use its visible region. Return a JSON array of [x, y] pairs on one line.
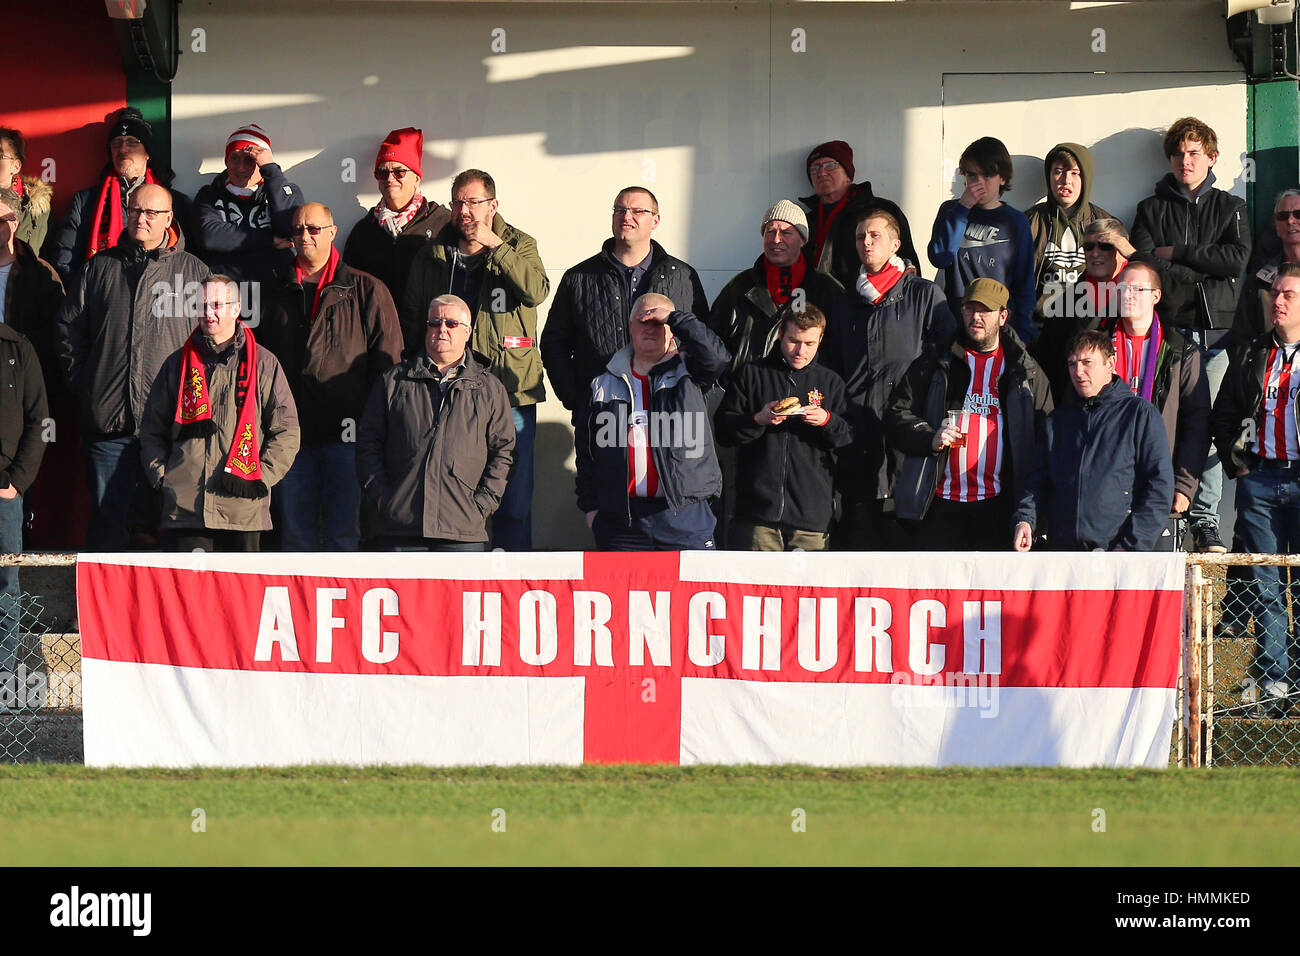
[[1286, 214], [12, 159], [382, 175], [129, 142], [450, 323], [1089, 246], [829, 166], [149, 214], [1139, 288], [636, 213], [462, 203], [213, 308], [314, 230]]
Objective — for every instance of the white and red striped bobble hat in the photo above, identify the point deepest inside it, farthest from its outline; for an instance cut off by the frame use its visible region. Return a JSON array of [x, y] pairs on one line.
[[245, 136]]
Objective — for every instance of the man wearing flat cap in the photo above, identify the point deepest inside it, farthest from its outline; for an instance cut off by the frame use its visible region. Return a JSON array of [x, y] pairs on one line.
[[968, 420]]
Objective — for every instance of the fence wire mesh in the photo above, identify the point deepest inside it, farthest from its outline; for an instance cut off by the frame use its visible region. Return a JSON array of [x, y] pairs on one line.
[[40, 683], [1251, 617]]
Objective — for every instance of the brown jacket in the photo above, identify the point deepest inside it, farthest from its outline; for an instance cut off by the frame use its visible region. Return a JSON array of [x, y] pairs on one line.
[[187, 469], [436, 464], [332, 363]]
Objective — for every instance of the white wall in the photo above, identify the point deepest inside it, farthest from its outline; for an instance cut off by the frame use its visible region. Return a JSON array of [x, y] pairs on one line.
[[707, 104]]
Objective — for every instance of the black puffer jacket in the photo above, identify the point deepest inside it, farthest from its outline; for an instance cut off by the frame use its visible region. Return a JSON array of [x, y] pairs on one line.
[[1101, 477], [745, 317], [682, 441], [839, 258], [938, 382], [1211, 244], [372, 248], [122, 318], [871, 347], [788, 468], [587, 323]]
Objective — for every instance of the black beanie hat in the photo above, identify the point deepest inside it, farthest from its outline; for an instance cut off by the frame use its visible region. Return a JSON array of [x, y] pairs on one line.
[[131, 122]]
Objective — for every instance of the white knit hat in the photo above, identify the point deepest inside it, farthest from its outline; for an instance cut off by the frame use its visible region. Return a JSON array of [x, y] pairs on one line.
[[786, 211]]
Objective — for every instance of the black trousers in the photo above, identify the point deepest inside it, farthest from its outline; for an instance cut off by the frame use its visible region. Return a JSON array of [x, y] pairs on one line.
[[965, 526], [207, 539]]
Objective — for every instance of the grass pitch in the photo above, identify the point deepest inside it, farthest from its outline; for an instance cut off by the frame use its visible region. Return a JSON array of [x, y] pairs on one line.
[[66, 815]]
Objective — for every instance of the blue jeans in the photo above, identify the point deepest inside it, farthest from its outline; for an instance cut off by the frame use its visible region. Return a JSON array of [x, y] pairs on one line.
[[1205, 506], [512, 524], [320, 500], [11, 542], [112, 472], [1268, 522]]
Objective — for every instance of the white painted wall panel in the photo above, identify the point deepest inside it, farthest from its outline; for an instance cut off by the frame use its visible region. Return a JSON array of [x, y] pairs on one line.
[[708, 104]]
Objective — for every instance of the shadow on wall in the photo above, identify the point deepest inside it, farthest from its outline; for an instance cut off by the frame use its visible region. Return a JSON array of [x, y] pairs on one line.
[[557, 522]]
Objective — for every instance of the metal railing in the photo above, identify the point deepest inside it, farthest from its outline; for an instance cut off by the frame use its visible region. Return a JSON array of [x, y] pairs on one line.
[[1240, 711]]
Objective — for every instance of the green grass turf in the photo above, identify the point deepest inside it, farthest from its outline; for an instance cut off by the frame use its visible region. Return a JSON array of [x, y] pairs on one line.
[[67, 815]]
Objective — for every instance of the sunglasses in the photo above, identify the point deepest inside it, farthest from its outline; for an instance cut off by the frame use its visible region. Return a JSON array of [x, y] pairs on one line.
[[314, 230], [1286, 214], [450, 323], [399, 174], [1103, 246]]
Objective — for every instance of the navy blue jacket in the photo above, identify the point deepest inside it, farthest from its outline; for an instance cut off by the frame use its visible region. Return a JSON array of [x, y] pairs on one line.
[[1103, 476], [681, 438]]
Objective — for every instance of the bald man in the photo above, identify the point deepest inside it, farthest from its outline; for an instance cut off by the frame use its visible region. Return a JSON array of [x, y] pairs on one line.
[[335, 331], [126, 312], [647, 468]]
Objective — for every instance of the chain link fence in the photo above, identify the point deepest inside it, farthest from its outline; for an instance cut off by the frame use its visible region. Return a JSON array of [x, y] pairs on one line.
[[1244, 615], [40, 664]]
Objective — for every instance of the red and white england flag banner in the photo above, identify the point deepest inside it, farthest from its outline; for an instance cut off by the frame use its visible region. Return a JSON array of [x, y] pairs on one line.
[[561, 658]]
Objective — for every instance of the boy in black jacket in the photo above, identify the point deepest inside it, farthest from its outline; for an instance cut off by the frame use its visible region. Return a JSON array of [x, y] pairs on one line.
[[786, 463]]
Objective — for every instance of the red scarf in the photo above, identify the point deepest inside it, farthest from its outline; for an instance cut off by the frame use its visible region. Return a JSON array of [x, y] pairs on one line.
[[104, 230], [783, 280], [825, 216], [242, 476], [17, 185], [874, 287], [326, 277], [1126, 361]]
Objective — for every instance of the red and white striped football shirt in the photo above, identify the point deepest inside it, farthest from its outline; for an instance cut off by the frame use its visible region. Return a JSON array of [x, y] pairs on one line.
[[973, 472], [1276, 437], [642, 479]]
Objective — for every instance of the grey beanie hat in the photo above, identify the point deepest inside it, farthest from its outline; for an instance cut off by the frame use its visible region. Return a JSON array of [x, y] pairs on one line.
[[786, 211]]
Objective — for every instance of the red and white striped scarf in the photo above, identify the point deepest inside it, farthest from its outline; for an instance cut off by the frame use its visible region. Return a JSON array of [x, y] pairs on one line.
[[873, 288], [395, 222]]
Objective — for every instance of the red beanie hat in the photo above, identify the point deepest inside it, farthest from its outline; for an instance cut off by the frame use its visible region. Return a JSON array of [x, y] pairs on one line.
[[837, 150], [404, 146]]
